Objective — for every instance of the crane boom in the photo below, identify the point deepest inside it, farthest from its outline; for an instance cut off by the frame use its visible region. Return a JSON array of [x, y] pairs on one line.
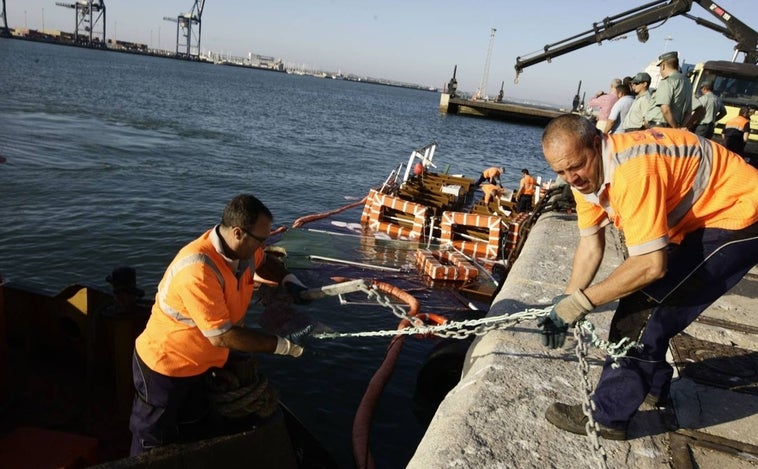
[[639, 18]]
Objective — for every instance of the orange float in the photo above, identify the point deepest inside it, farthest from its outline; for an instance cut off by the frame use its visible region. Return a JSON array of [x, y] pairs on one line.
[[452, 221], [374, 215], [445, 265]]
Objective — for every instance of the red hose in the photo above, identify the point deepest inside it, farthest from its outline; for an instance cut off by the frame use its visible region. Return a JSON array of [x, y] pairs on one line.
[[363, 416], [318, 216]]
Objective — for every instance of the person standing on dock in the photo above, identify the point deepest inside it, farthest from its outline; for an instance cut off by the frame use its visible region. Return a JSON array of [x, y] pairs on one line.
[[674, 93], [197, 320], [604, 102], [491, 175], [525, 193], [688, 209], [620, 109], [712, 111], [643, 109]]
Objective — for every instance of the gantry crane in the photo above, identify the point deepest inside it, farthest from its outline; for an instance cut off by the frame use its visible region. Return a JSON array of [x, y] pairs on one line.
[[190, 47], [4, 31], [90, 21]]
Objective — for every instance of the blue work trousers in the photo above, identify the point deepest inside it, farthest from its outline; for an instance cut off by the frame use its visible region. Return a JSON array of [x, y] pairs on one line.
[[701, 269], [166, 409]]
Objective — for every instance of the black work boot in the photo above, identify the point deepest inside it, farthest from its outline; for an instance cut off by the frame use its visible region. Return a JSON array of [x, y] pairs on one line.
[[572, 419]]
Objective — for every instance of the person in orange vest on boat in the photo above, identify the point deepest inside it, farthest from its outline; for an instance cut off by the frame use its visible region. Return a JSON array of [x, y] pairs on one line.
[[688, 208], [491, 191], [492, 175], [525, 192], [198, 319], [737, 131]]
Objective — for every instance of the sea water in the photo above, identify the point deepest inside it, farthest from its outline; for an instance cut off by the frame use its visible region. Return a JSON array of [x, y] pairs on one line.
[[116, 159]]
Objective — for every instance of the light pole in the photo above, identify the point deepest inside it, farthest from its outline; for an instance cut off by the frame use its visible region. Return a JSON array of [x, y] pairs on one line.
[[25, 25], [666, 43], [43, 20]]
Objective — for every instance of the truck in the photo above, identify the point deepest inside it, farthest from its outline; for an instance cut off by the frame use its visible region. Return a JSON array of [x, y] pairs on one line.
[[736, 83]]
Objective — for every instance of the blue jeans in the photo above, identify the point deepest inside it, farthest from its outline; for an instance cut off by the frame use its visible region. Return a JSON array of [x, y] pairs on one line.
[[701, 269]]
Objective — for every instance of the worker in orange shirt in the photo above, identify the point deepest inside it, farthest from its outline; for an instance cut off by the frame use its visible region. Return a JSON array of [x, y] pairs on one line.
[[198, 319], [491, 192], [491, 175], [688, 209], [525, 192]]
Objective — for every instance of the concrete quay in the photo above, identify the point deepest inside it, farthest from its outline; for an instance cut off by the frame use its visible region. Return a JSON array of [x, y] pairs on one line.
[[494, 417], [513, 112]]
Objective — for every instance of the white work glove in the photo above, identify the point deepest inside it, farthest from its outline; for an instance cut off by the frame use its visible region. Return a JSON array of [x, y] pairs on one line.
[[286, 347], [294, 287], [573, 307]]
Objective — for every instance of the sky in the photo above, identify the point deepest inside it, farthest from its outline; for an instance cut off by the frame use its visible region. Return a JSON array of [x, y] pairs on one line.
[[417, 41]]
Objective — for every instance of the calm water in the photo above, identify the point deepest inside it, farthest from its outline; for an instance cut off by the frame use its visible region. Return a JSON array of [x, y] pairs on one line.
[[117, 159]]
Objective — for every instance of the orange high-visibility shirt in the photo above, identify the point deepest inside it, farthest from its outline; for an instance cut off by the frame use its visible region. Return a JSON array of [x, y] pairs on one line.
[[662, 184], [199, 297]]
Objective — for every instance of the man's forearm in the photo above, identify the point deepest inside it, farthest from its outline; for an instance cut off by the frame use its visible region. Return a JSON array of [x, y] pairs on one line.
[[633, 274], [587, 259], [668, 116]]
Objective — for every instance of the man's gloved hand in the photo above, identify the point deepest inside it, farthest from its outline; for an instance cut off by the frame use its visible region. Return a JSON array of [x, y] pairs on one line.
[[298, 337], [294, 287], [571, 308], [567, 309], [286, 347]]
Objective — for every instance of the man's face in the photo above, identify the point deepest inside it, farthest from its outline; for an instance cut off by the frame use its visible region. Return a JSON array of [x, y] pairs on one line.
[[579, 166]]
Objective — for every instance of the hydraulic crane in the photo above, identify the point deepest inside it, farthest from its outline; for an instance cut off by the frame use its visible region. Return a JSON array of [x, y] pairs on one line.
[[89, 17], [187, 38], [638, 20], [735, 83]]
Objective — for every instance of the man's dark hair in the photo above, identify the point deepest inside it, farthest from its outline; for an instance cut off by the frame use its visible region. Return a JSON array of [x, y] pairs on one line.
[[524, 171], [243, 211]]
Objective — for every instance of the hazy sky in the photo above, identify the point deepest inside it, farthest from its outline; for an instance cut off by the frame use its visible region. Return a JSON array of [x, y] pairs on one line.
[[416, 41]]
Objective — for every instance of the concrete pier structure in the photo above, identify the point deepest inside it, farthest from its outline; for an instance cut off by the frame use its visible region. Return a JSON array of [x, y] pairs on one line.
[[512, 112], [494, 417]]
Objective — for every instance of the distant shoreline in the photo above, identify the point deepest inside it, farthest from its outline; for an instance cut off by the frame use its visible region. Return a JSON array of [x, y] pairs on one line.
[[164, 54]]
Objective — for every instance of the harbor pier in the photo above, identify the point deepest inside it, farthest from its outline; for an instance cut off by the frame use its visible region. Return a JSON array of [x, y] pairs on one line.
[[512, 112], [494, 416]]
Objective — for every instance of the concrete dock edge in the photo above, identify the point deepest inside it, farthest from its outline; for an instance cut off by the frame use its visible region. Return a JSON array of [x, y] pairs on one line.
[[494, 417]]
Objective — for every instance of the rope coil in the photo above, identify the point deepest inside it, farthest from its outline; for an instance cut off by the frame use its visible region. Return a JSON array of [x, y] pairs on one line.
[[238, 390]]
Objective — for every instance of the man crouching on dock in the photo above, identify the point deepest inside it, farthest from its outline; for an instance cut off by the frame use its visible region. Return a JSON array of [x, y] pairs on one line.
[[688, 209]]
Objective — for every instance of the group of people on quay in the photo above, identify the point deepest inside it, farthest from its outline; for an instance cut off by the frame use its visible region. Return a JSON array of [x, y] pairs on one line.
[[631, 105]]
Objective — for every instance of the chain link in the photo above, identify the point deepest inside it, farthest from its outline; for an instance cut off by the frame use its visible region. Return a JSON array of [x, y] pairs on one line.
[[584, 333], [588, 406], [452, 329]]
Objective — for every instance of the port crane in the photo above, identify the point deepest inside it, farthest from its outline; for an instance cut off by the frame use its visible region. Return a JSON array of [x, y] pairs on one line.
[[481, 93], [188, 27], [4, 31], [89, 17]]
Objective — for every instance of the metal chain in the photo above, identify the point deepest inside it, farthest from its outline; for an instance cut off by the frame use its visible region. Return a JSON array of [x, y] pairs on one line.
[[584, 333], [588, 406], [452, 329]]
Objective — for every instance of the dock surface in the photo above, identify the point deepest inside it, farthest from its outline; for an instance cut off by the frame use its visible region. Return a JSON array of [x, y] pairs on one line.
[[494, 417]]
